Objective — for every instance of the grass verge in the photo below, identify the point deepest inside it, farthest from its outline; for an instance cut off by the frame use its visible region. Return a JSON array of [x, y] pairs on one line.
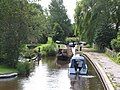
[[4, 69]]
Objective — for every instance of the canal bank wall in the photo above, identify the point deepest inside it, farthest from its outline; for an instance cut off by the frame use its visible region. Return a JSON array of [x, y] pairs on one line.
[[109, 70], [104, 79]]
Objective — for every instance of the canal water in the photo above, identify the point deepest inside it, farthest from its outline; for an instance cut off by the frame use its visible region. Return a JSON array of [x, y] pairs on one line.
[[52, 74]]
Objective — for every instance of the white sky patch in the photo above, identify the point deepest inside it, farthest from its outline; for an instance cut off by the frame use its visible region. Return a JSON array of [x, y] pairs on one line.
[[69, 5]]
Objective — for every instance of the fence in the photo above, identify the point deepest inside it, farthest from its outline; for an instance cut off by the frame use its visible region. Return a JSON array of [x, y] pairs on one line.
[[111, 53]]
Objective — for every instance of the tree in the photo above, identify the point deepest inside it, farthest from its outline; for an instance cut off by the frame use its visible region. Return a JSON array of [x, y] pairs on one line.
[[103, 36], [59, 34], [19, 21], [38, 24], [58, 15], [97, 20], [14, 29], [105, 25], [83, 20]]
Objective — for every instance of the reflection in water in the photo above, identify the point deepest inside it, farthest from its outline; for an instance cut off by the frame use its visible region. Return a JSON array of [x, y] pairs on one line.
[[48, 79], [51, 74], [79, 83], [73, 50]]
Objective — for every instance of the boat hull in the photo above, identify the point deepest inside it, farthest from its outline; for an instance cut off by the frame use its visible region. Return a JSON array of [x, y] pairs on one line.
[[11, 75], [62, 57]]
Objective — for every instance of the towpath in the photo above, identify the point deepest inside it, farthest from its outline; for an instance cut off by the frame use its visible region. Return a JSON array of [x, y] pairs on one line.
[[111, 69]]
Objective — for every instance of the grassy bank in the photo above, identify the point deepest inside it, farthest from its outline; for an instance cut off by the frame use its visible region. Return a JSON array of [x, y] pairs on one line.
[[4, 69], [115, 59]]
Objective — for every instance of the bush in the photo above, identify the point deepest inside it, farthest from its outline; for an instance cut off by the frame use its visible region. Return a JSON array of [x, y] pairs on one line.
[[24, 68], [118, 57], [28, 53], [116, 45], [49, 49], [49, 40], [42, 39], [71, 39]]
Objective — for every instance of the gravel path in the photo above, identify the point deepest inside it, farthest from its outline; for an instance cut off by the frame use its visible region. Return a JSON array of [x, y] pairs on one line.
[[110, 68]]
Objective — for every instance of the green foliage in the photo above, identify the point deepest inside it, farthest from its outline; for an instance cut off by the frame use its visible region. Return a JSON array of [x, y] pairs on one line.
[[97, 19], [71, 39], [24, 68], [116, 43], [4, 69], [83, 21], [26, 52], [13, 29], [58, 15], [103, 36], [29, 53], [38, 24], [118, 57], [42, 39], [50, 41], [20, 22], [59, 34], [49, 49]]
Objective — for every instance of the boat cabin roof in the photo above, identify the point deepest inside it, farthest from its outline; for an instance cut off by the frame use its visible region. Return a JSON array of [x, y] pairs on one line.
[[77, 56]]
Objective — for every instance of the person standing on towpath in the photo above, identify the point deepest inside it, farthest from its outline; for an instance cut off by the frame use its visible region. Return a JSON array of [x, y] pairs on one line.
[[38, 56]]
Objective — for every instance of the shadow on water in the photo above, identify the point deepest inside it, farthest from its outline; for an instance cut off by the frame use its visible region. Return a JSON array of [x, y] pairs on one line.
[[52, 74]]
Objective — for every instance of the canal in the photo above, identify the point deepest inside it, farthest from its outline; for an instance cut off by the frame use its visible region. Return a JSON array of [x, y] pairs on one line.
[[51, 74]]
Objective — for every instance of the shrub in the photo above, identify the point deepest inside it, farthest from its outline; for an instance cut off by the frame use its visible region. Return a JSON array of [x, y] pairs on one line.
[[49, 49], [71, 39], [118, 57], [116, 45], [24, 68], [42, 39], [49, 40], [28, 53]]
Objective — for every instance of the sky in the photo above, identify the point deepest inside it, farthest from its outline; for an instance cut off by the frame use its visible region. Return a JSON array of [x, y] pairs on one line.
[[69, 5]]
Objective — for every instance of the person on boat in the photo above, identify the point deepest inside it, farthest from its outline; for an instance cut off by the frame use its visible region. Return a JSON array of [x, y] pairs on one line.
[[73, 44], [81, 63], [58, 46], [81, 45], [60, 51], [74, 64]]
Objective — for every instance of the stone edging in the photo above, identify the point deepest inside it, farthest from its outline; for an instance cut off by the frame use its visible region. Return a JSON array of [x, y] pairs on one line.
[[108, 85], [9, 75]]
